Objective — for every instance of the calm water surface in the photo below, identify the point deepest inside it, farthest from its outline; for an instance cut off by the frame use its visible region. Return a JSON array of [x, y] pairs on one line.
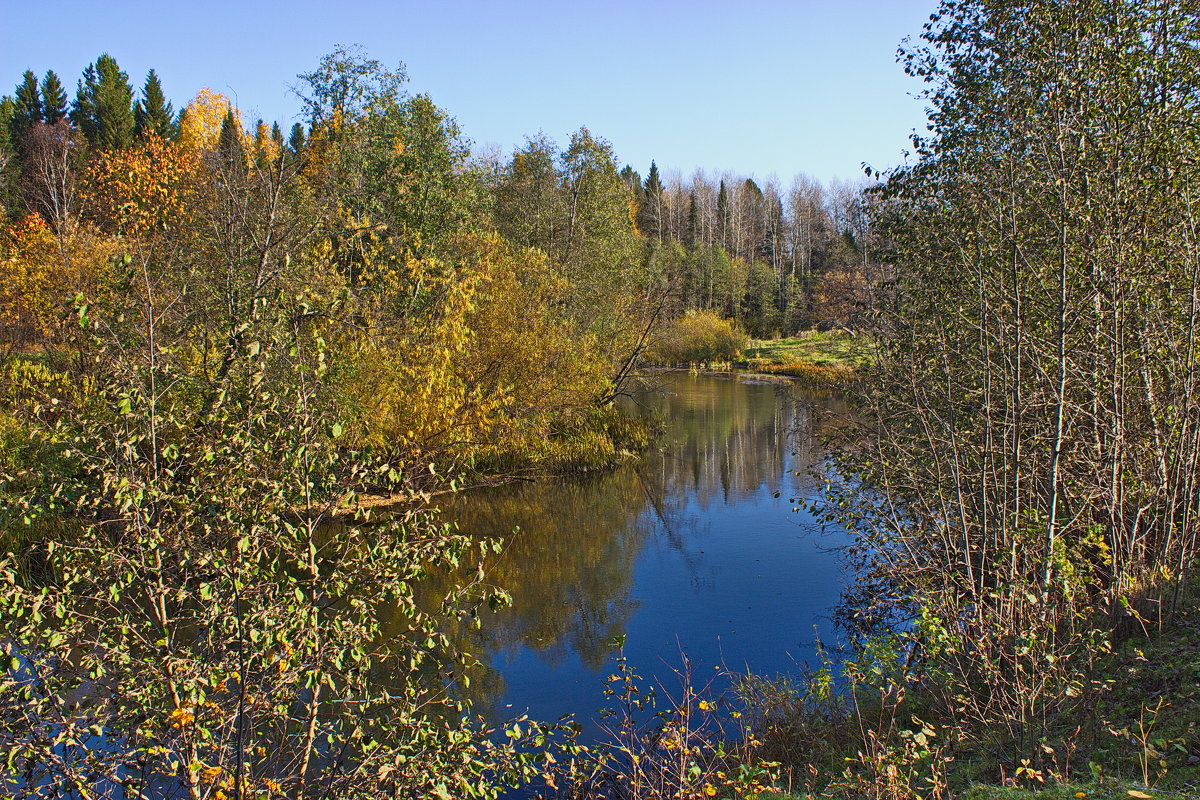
[[693, 549]]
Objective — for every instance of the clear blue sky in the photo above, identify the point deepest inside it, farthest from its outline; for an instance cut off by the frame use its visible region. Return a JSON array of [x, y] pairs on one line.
[[756, 87]]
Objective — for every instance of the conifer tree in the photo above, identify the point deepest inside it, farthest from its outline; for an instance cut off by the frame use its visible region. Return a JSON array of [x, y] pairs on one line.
[[103, 107], [650, 214], [8, 108], [153, 114], [54, 98], [229, 145], [296, 140], [28, 108], [277, 135], [723, 216]]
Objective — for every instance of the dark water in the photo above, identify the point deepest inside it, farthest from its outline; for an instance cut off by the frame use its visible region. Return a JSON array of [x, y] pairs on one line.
[[693, 549]]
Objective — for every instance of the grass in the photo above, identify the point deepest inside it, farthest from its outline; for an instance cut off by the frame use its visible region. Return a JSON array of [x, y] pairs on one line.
[[1089, 791], [1139, 738], [836, 349], [821, 358]]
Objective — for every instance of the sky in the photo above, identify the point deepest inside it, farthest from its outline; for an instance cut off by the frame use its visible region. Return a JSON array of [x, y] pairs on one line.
[[759, 87]]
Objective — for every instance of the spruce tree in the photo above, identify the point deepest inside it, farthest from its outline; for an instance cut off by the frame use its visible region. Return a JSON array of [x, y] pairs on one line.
[[650, 213], [28, 108], [83, 112], [296, 140], [103, 108], [54, 98], [277, 136], [153, 114], [229, 144]]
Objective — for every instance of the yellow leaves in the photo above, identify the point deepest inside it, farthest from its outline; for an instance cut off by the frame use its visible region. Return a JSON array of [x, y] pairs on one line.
[[149, 187], [1137, 794], [200, 128], [182, 718], [706, 706], [40, 272], [710, 790]]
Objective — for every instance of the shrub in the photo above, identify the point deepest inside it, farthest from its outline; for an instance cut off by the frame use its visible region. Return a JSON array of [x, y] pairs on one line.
[[698, 337]]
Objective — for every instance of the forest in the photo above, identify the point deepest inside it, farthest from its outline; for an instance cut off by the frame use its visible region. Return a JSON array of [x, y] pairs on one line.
[[234, 360]]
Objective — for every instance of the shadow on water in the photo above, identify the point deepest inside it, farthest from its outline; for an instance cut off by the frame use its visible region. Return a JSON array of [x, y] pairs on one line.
[[693, 549]]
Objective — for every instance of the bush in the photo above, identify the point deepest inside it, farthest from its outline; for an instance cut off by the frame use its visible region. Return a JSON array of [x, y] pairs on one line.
[[698, 337]]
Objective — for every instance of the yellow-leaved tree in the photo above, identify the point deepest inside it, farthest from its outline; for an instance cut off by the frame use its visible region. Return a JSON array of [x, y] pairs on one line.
[[145, 188], [40, 273], [200, 122]]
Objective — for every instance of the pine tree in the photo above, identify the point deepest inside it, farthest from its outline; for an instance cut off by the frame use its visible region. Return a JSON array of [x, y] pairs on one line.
[[229, 145], [83, 111], [723, 216], [296, 140], [103, 107], [650, 214], [277, 136], [153, 114], [28, 110], [54, 98]]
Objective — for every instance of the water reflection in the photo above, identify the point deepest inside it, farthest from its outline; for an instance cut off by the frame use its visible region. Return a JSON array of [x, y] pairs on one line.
[[694, 549]]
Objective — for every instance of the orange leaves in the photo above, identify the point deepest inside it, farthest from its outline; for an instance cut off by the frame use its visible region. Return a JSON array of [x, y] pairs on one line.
[[142, 188]]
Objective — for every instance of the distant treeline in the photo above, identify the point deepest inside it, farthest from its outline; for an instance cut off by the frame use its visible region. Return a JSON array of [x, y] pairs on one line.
[[775, 260]]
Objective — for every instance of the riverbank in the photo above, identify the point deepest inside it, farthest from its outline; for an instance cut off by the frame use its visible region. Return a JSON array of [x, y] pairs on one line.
[[1137, 737], [832, 359]]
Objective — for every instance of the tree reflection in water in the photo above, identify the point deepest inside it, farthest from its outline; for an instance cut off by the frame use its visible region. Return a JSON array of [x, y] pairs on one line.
[[692, 547]]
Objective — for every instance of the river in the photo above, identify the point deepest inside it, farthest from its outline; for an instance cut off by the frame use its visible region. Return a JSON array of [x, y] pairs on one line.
[[697, 548]]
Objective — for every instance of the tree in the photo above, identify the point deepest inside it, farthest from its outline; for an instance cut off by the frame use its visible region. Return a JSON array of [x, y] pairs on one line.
[[54, 98], [530, 207], [722, 231], [296, 139], [230, 147], [347, 86], [103, 107], [153, 114], [27, 108], [1029, 459], [650, 213], [201, 120]]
